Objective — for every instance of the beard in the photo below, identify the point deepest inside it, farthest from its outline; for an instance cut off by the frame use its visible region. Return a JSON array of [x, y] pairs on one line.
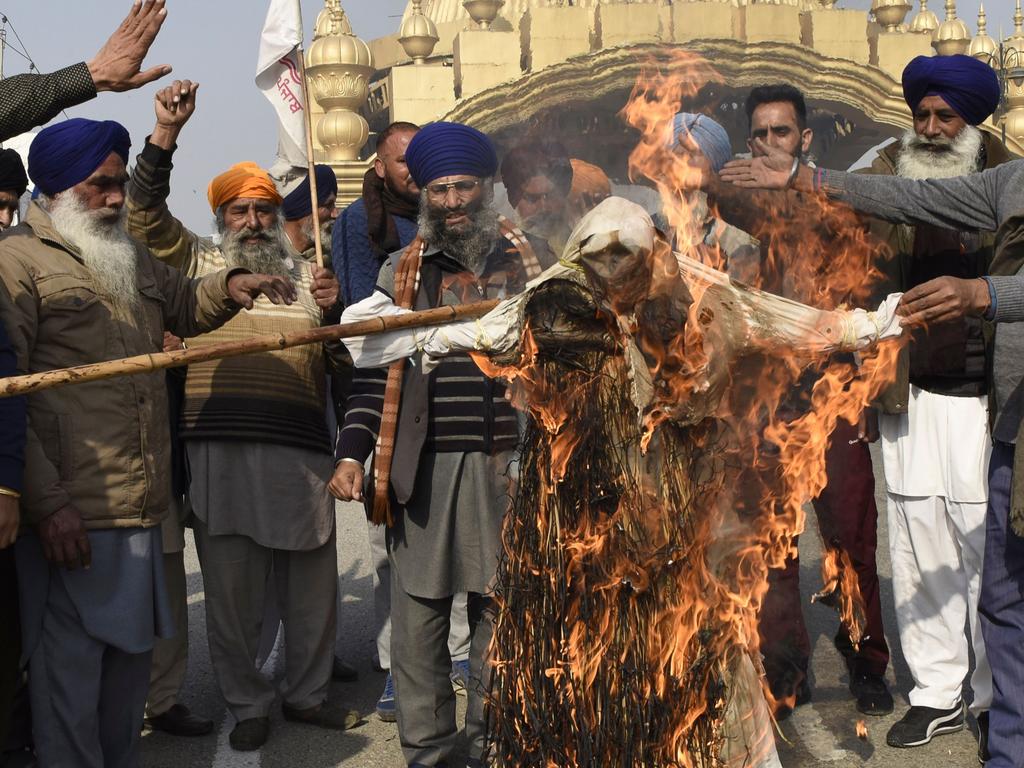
[[939, 158], [469, 245], [266, 256], [103, 245]]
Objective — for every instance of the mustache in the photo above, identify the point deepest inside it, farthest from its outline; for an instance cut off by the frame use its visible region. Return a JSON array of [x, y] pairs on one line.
[[246, 233], [939, 142]]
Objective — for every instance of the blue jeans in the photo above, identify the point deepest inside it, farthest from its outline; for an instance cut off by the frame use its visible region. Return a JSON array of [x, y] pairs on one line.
[[1002, 615]]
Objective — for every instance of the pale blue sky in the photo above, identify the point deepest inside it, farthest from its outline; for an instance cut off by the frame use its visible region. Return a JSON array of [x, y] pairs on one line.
[[215, 42]]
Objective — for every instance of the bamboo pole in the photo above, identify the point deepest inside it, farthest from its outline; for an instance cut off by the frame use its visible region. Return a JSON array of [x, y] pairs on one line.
[[130, 366]]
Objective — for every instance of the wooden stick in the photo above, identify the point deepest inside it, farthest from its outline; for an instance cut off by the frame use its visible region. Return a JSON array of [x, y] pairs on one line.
[[130, 366], [310, 160], [307, 102]]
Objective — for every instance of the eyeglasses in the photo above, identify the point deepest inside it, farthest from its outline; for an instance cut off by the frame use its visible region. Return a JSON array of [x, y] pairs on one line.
[[462, 188]]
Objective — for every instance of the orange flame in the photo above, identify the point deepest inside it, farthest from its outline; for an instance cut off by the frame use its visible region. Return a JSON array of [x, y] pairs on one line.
[[643, 571]]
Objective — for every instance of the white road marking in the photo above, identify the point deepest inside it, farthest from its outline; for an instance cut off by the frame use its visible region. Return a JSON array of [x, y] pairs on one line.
[[816, 737], [225, 756]]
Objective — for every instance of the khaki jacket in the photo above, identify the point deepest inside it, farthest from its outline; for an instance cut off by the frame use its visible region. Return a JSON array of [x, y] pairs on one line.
[[104, 446], [900, 241]]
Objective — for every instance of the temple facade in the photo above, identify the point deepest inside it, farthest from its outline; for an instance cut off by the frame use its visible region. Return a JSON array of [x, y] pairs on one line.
[[565, 68]]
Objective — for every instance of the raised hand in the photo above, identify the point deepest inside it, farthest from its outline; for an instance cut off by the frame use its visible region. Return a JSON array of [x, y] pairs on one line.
[[118, 64], [771, 169], [174, 105], [246, 287]]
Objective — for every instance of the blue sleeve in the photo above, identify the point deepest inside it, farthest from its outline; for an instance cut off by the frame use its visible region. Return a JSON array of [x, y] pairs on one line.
[[12, 422], [355, 264]]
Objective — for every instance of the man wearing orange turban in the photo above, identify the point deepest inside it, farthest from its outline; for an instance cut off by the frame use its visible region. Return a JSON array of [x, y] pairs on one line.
[[242, 180], [255, 434]]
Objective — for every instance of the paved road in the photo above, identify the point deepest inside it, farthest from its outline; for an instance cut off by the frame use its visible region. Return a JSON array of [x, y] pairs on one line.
[[820, 734]]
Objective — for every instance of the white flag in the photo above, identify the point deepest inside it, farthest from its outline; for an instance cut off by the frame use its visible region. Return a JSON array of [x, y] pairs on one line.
[[277, 75]]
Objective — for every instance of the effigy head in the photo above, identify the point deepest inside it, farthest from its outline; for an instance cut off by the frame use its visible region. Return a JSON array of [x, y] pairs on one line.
[[613, 245]]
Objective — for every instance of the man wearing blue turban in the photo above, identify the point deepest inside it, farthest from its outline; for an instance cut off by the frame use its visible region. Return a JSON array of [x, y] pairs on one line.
[[445, 439], [935, 414], [96, 485], [297, 209]]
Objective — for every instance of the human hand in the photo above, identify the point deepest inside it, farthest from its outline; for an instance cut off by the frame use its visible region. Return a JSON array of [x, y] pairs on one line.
[[246, 287], [347, 482], [867, 426], [10, 516], [325, 288], [117, 66], [175, 104], [770, 170], [944, 299], [172, 343], [65, 541]]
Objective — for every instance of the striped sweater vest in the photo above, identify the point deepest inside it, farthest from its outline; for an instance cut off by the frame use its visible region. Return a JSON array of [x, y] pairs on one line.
[[269, 397]]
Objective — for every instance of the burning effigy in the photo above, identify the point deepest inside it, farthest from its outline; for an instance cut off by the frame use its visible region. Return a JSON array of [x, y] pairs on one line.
[[630, 578]]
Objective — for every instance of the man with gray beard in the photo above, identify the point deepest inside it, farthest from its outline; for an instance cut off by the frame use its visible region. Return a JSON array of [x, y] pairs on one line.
[[934, 417], [441, 441], [79, 290], [256, 440]]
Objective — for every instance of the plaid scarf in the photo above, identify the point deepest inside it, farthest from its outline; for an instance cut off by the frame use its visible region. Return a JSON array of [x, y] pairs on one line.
[[407, 285]]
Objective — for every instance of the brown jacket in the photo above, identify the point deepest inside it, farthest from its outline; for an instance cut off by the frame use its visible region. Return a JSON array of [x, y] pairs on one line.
[[900, 241], [103, 446]]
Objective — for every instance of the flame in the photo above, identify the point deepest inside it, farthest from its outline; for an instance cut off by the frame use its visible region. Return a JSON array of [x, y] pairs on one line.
[[862, 730], [636, 555]]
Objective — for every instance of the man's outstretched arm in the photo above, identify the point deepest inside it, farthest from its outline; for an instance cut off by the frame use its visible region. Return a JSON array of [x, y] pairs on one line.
[[978, 201], [30, 100]]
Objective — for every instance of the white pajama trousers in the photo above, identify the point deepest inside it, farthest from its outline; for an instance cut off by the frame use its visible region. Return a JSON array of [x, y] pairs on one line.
[[936, 547]]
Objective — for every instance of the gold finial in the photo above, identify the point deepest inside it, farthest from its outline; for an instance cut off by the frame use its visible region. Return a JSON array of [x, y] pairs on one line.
[[418, 34], [890, 13], [331, 21], [952, 36], [483, 12], [925, 22], [982, 45]]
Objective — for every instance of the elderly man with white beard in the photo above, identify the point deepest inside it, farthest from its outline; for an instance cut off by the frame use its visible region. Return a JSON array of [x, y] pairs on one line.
[[256, 439], [79, 290], [934, 418]]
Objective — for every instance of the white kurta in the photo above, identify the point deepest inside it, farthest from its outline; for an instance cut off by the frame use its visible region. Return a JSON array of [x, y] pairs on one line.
[[939, 447]]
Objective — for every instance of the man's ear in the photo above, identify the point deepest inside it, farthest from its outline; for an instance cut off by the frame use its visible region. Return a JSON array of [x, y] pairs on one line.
[[378, 168], [806, 137]]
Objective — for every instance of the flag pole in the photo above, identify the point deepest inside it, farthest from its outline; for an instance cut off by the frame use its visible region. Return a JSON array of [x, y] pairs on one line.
[[310, 161]]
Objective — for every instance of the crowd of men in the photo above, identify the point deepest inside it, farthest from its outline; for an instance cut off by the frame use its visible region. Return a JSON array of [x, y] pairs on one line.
[[99, 481]]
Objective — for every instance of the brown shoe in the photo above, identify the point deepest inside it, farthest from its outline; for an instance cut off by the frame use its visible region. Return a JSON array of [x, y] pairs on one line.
[[322, 716], [249, 735]]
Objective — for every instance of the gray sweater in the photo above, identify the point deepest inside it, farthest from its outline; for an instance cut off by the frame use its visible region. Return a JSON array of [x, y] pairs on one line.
[[981, 201]]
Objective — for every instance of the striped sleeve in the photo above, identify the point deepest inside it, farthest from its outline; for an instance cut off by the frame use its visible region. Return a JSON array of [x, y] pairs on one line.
[[363, 408]]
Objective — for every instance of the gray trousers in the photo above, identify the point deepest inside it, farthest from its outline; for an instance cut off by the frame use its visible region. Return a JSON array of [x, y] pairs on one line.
[[420, 668], [170, 656], [235, 571], [87, 697], [458, 635]]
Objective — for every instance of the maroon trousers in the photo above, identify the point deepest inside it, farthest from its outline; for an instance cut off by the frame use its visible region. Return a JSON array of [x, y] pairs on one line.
[[848, 519]]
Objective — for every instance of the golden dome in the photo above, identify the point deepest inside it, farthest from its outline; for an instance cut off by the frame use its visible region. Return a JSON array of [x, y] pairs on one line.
[[952, 36], [982, 45], [925, 20], [1016, 40], [418, 35]]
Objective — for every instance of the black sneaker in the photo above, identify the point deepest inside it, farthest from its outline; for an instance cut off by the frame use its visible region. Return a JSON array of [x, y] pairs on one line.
[[983, 754], [920, 724], [872, 694]]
